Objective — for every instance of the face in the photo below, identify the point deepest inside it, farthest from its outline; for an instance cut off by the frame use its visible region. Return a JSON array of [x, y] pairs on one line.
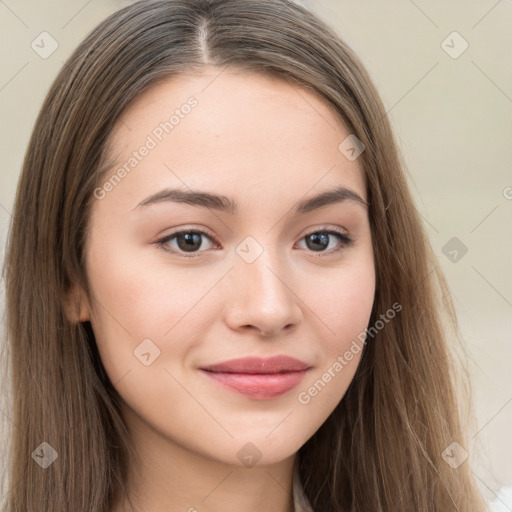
[[182, 282]]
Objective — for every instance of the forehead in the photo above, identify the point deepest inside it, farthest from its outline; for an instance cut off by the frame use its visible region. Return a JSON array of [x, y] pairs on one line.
[[230, 130]]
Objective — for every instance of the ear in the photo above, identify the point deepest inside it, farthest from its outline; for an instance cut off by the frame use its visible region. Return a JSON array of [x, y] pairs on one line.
[[76, 305]]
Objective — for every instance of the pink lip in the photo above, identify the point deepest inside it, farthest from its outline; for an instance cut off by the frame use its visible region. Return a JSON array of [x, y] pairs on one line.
[[258, 378]]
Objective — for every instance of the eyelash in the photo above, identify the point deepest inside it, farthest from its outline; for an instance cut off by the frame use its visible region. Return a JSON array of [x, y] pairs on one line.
[[345, 241]]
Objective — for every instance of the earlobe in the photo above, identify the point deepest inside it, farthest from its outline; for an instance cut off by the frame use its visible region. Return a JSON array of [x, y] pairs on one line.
[[76, 305]]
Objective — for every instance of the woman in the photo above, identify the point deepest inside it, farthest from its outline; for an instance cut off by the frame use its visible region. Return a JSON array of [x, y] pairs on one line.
[[219, 293]]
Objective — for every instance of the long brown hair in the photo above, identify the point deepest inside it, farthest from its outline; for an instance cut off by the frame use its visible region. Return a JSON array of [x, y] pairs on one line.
[[381, 450]]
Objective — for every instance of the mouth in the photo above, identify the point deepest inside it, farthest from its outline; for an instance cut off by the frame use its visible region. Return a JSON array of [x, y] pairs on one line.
[[258, 378]]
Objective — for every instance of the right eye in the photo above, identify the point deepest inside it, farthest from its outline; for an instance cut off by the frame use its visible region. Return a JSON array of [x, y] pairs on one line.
[[186, 241]]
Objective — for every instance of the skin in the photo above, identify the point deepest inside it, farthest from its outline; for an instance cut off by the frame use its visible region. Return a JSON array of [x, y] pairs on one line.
[[267, 144]]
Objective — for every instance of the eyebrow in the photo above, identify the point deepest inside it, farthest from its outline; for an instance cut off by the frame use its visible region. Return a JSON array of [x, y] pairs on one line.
[[225, 204]]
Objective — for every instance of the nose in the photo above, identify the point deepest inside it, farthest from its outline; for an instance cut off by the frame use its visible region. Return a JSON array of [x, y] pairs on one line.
[[261, 298]]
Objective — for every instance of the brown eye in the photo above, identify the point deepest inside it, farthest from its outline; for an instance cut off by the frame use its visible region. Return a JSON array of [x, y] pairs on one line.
[[319, 241], [189, 241]]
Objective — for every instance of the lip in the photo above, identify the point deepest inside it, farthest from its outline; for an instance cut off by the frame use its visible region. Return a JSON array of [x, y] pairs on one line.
[[252, 365], [258, 378]]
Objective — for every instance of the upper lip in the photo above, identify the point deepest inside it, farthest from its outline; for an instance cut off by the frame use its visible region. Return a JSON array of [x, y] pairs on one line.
[[276, 364]]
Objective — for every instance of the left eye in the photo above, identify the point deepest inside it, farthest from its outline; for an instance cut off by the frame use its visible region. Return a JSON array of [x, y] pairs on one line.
[[317, 241], [192, 240]]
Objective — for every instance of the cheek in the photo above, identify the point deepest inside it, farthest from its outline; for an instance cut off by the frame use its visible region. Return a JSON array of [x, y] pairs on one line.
[[133, 302], [343, 300], [343, 304], [132, 287], [346, 301]]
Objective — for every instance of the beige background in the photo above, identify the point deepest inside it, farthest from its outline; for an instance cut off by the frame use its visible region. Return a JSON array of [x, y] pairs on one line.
[[452, 117]]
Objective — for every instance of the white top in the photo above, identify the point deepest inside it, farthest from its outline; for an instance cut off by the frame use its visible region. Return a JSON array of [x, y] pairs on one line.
[[300, 502]]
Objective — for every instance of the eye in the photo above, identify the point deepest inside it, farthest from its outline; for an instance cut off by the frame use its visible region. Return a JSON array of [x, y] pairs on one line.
[[187, 241], [319, 241], [191, 241]]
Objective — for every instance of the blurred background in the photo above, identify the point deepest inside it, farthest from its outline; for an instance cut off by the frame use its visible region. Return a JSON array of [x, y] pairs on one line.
[[444, 71]]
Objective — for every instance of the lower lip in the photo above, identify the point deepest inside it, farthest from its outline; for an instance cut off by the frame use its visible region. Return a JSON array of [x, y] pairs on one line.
[[258, 386]]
